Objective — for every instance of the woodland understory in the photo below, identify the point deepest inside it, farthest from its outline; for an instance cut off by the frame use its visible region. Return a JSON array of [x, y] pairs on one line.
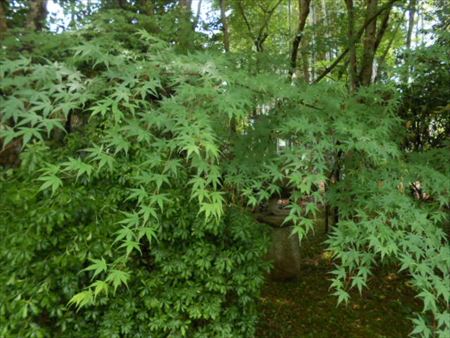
[[139, 141]]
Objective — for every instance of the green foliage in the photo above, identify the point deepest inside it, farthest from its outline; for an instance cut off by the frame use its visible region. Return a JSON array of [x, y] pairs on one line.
[[118, 226], [127, 216]]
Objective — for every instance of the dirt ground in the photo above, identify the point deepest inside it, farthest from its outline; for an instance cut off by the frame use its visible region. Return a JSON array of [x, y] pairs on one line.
[[306, 308]]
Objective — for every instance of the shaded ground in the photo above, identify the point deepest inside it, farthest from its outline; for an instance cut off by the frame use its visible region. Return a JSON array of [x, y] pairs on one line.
[[306, 308]]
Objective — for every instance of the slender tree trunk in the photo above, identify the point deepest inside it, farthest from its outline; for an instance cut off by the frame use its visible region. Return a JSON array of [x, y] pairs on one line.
[[412, 13], [383, 56], [305, 63], [382, 30], [3, 24], [37, 15], [313, 41], [304, 7], [365, 76], [351, 45], [122, 4], [327, 218], [326, 19], [199, 9], [224, 20]]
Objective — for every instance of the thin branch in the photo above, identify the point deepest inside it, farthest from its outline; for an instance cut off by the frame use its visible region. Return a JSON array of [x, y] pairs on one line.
[[247, 23], [267, 19]]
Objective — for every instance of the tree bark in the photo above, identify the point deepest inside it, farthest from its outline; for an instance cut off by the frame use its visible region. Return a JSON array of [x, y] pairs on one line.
[[122, 4], [37, 15], [383, 56], [412, 12], [365, 75], [329, 53], [352, 45], [303, 15], [224, 20], [383, 27], [314, 49], [3, 24], [305, 63]]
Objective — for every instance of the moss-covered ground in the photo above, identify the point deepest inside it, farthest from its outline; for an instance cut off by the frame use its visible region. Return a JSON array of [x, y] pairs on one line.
[[306, 308]]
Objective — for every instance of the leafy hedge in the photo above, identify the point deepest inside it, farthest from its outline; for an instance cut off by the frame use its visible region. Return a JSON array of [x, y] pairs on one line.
[[117, 199], [186, 278]]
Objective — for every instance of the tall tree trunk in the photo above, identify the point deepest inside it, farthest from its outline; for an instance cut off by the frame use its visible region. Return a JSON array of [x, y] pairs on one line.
[[383, 27], [313, 41], [303, 15], [3, 24], [352, 45], [305, 63], [365, 76], [37, 15], [382, 58], [326, 20], [122, 4], [412, 13], [199, 9], [224, 20]]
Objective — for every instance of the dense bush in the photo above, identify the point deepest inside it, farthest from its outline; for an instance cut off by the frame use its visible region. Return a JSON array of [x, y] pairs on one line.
[[194, 279], [123, 211]]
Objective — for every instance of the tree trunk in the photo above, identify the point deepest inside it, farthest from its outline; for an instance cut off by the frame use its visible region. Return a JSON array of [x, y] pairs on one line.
[[199, 9], [303, 15], [223, 19], [383, 27], [313, 42], [383, 56], [326, 20], [357, 37], [365, 76], [3, 24], [412, 12], [122, 4], [352, 45], [305, 63], [37, 15]]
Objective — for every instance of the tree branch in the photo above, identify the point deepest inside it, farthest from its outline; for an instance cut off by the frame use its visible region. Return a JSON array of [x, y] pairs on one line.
[[358, 36], [304, 12]]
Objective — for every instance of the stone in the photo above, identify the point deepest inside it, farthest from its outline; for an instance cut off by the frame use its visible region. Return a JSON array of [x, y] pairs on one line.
[[284, 253]]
